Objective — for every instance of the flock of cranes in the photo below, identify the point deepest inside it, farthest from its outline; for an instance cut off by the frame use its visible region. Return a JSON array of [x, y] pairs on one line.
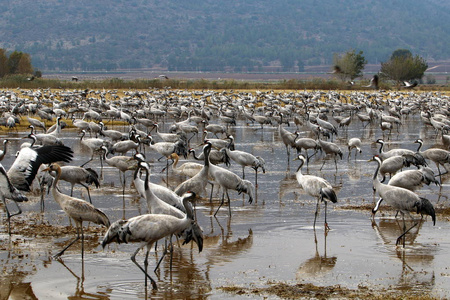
[[318, 118]]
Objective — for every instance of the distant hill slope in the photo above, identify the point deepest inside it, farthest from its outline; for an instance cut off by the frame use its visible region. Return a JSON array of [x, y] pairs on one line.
[[215, 35]]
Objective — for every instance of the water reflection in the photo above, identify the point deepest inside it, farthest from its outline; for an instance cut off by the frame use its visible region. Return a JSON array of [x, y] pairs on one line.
[[20, 291], [388, 230], [415, 261], [80, 293], [318, 265]]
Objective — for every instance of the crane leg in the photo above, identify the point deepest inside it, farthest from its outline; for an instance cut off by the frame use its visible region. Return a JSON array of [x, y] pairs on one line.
[[92, 157], [322, 164], [163, 254], [9, 215], [221, 203], [326, 223], [212, 189], [87, 189], [70, 244], [133, 259], [404, 233], [316, 213], [229, 203]]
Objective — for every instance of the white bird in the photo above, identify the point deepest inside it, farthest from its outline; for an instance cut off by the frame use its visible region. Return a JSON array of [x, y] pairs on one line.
[[3, 151], [327, 126], [393, 164], [56, 128], [316, 187], [114, 135], [80, 124], [222, 143], [155, 204], [149, 228], [45, 138], [402, 200], [215, 157], [78, 210], [216, 129], [398, 151], [354, 143]]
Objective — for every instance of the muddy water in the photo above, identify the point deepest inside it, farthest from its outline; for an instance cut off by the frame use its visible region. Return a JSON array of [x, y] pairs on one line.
[[269, 241]]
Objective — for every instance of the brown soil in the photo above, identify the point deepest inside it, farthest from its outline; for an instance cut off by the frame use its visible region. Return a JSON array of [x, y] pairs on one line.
[[308, 291]]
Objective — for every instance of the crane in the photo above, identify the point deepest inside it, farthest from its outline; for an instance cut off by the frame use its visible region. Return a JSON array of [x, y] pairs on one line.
[[78, 210], [402, 200], [316, 187], [149, 228]]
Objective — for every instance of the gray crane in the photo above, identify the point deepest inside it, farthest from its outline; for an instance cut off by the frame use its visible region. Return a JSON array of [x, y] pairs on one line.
[[414, 179], [8, 191], [123, 164], [229, 180], [331, 149], [79, 175], [149, 228], [439, 156], [288, 138], [402, 200], [197, 183], [245, 159], [306, 143], [316, 187], [78, 210]]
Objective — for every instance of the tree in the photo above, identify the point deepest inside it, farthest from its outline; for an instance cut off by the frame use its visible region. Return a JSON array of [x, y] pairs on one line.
[[13, 61], [403, 66], [401, 53], [349, 65], [3, 63], [24, 65]]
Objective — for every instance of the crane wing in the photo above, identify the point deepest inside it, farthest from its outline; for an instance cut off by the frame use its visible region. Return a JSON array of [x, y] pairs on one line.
[[27, 163]]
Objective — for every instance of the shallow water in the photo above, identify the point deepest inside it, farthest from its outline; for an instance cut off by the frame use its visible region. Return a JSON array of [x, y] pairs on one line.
[[271, 240]]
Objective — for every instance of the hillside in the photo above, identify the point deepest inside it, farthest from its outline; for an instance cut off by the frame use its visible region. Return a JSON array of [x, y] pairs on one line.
[[206, 35]]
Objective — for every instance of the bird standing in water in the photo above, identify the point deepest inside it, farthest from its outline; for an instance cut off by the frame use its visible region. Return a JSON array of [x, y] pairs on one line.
[[316, 187]]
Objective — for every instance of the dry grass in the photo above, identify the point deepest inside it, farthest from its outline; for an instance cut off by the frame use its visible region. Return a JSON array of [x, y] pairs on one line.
[[313, 83]]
